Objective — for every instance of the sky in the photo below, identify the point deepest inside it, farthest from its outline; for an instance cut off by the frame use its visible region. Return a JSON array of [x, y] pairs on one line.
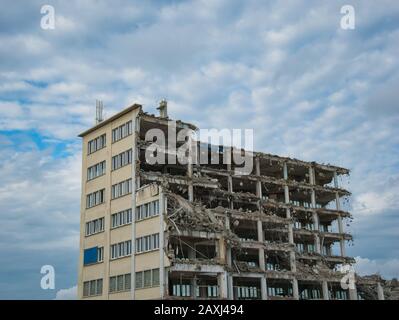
[[286, 69]]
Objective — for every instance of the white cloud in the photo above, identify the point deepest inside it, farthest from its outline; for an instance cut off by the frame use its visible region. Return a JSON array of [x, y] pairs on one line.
[[387, 268], [67, 294], [306, 87]]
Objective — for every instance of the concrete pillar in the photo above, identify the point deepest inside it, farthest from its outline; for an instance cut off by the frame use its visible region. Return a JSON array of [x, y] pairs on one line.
[[295, 290], [230, 189], [260, 230], [313, 198], [292, 261], [326, 294], [380, 291], [263, 288], [222, 278], [285, 171], [337, 202], [286, 194], [190, 175], [311, 176], [353, 294], [340, 224], [258, 183], [257, 166], [222, 250], [262, 262], [341, 231], [335, 179], [230, 287], [194, 288], [317, 243], [342, 247], [228, 247]]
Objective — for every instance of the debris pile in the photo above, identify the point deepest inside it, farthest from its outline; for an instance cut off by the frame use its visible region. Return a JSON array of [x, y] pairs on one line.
[[183, 214]]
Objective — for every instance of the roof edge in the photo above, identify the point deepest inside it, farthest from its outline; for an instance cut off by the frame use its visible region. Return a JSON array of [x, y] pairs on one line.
[[115, 116]]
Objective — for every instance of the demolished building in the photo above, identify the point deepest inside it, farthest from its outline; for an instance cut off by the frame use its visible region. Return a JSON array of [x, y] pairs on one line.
[[203, 231]]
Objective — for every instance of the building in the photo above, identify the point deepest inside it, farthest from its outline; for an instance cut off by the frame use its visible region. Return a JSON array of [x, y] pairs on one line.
[[202, 230]]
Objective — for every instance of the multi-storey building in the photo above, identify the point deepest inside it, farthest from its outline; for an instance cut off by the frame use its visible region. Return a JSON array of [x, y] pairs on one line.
[[200, 230]]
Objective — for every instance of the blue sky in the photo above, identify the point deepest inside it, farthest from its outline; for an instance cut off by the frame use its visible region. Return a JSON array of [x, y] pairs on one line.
[[308, 88]]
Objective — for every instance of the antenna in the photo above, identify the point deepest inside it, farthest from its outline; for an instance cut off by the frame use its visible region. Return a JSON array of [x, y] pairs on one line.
[[99, 111]]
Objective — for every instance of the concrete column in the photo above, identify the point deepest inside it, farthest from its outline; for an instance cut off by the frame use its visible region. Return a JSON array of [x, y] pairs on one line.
[[326, 294], [260, 230], [257, 166], [313, 198], [292, 261], [335, 179], [230, 188], [337, 202], [353, 293], [340, 225], [295, 290], [285, 171], [262, 262], [317, 243], [311, 176], [194, 287], [230, 287], [380, 291], [222, 277], [258, 183], [263, 288], [290, 233], [342, 247], [228, 247], [190, 175], [286, 194], [341, 231]]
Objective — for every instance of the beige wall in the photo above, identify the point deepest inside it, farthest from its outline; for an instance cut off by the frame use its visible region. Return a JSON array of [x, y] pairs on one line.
[[107, 268]]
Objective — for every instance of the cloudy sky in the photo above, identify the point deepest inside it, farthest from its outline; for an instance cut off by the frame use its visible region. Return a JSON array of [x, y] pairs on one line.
[[308, 88]]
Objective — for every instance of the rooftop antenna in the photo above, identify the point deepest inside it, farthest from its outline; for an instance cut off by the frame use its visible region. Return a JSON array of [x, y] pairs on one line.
[[99, 111]]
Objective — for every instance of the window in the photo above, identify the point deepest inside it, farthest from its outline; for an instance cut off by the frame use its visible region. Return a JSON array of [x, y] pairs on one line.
[[121, 249], [181, 290], [94, 226], [93, 288], [96, 171], [147, 278], [147, 243], [95, 198], [96, 144], [147, 210], [155, 277], [100, 254], [121, 189], [122, 131], [122, 159], [93, 255], [139, 280], [128, 280], [121, 218]]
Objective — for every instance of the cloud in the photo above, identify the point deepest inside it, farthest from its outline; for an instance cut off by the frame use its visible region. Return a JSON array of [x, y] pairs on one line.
[[308, 89], [387, 268], [67, 294]]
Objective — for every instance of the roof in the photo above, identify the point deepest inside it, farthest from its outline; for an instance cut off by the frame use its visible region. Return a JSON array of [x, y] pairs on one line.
[[115, 116]]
